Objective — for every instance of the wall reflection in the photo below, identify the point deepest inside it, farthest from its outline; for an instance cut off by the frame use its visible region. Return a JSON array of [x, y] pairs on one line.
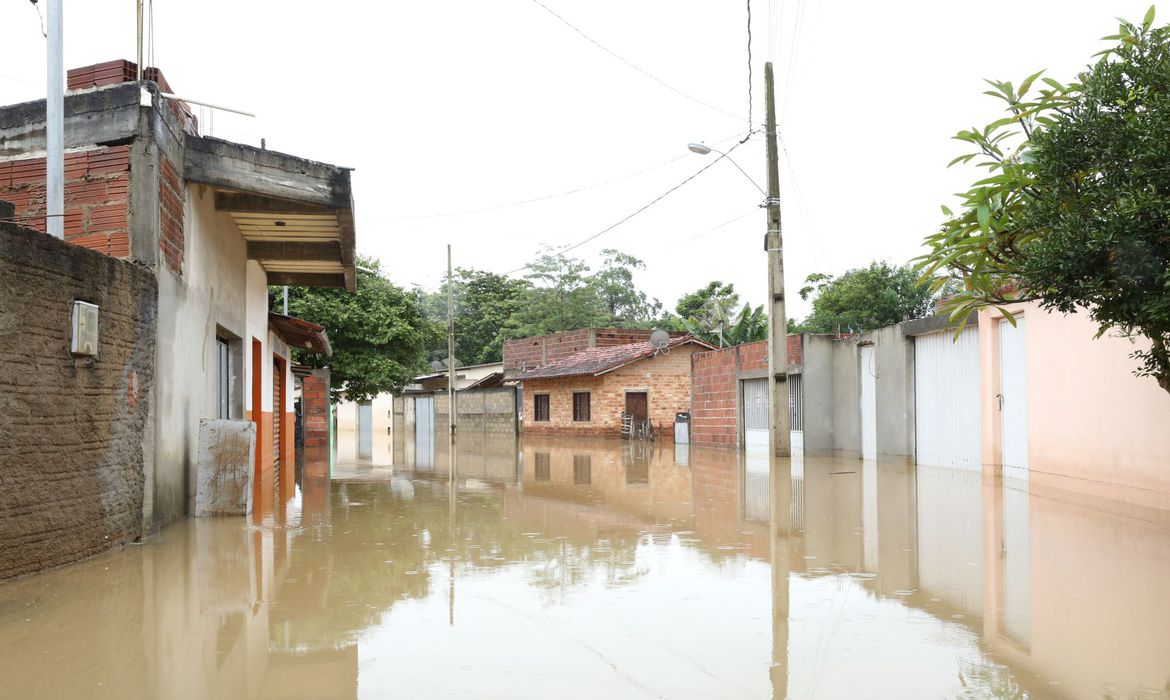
[[985, 588]]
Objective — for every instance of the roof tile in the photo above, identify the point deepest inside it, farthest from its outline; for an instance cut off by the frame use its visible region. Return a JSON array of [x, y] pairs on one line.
[[597, 361]]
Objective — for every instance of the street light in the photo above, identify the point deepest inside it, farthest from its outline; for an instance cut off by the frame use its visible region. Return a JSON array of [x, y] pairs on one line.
[[703, 149]]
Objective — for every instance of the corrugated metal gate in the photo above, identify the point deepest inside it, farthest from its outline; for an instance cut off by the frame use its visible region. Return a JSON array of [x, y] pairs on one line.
[[795, 403], [424, 431], [365, 426], [946, 399], [867, 371], [755, 413]]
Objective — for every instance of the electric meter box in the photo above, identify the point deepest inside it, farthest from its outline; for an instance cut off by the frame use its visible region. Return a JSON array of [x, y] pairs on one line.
[[85, 329]]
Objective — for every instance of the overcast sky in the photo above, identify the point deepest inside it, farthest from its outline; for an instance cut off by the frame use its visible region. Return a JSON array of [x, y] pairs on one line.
[[449, 110]]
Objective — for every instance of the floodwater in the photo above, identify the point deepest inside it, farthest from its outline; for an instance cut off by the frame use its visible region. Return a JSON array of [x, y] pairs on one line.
[[578, 569]]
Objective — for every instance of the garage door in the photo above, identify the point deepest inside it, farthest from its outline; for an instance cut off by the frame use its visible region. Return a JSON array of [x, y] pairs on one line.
[[946, 399], [755, 413]]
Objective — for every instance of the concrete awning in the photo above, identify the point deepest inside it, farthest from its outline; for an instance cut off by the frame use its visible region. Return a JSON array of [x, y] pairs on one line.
[[295, 214], [300, 333]]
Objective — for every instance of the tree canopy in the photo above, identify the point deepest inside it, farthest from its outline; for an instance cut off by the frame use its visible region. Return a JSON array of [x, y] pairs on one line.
[[691, 304], [864, 299], [559, 293], [1074, 210], [379, 334]]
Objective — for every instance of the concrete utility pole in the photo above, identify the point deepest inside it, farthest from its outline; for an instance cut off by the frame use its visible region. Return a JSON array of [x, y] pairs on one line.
[[55, 125], [451, 412], [778, 423]]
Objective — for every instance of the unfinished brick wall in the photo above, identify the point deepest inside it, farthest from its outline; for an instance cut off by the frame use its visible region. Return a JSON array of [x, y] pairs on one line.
[[543, 349], [72, 455], [666, 379], [170, 198], [715, 376], [97, 197], [315, 408], [713, 417]]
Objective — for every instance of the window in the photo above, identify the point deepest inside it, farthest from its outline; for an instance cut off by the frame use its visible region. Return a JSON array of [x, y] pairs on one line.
[[581, 406], [541, 407], [222, 379], [582, 469], [542, 468]]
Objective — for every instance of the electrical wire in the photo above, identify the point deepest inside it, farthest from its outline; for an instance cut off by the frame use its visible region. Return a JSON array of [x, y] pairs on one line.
[[749, 62], [37, 7], [800, 203], [644, 72], [532, 200], [638, 211], [793, 54]]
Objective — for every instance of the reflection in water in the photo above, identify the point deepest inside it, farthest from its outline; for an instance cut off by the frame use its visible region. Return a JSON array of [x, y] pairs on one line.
[[576, 568]]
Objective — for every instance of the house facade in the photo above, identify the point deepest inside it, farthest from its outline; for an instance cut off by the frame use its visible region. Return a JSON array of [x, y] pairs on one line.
[[587, 392], [215, 223]]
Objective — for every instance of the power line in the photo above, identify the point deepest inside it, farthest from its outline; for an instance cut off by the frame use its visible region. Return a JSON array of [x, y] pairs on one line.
[[641, 209], [644, 72], [749, 61], [532, 200]]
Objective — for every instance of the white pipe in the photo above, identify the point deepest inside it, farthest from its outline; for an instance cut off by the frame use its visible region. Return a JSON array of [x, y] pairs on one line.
[[171, 96], [55, 125]]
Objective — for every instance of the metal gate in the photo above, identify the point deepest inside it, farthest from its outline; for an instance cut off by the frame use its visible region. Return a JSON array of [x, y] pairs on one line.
[[365, 426], [867, 372], [1013, 398], [755, 413], [424, 431], [946, 399]]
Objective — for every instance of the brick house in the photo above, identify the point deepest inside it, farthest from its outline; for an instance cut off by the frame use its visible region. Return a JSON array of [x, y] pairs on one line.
[[585, 393], [215, 223]]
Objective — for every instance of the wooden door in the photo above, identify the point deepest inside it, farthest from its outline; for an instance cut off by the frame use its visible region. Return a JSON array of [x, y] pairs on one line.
[[637, 405]]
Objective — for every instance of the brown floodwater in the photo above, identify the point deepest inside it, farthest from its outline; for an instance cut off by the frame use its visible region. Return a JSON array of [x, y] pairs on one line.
[[601, 569]]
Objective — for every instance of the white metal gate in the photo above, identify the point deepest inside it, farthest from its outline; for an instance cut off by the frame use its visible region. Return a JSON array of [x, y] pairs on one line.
[[868, 390], [755, 413], [946, 399], [1013, 397], [424, 431], [365, 426]]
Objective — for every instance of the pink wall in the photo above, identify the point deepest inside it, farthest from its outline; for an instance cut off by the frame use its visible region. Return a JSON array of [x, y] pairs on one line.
[[1093, 427]]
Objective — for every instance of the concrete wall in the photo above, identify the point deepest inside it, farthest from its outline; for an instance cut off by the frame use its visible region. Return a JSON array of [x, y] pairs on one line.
[[75, 430], [1093, 427], [832, 411], [666, 379]]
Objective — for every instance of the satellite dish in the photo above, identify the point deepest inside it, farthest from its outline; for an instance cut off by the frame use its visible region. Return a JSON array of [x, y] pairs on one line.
[[660, 339]]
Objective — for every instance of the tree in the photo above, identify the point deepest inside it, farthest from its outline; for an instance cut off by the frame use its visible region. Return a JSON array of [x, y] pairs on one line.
[[484, 301], [864, 299], [1077, 214], [379, 334], [715, 325], [627, 306], [689, 305], [561, 297]]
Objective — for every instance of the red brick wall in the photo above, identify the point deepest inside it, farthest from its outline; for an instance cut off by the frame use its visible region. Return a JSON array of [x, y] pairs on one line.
[[100, 74], [97, 197], [713, 413], [666, 379], [715, 379], [170, 198], [315, 409], [527, 352]]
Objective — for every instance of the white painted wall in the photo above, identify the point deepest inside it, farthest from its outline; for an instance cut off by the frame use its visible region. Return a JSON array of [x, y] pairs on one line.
[[217, 288]]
